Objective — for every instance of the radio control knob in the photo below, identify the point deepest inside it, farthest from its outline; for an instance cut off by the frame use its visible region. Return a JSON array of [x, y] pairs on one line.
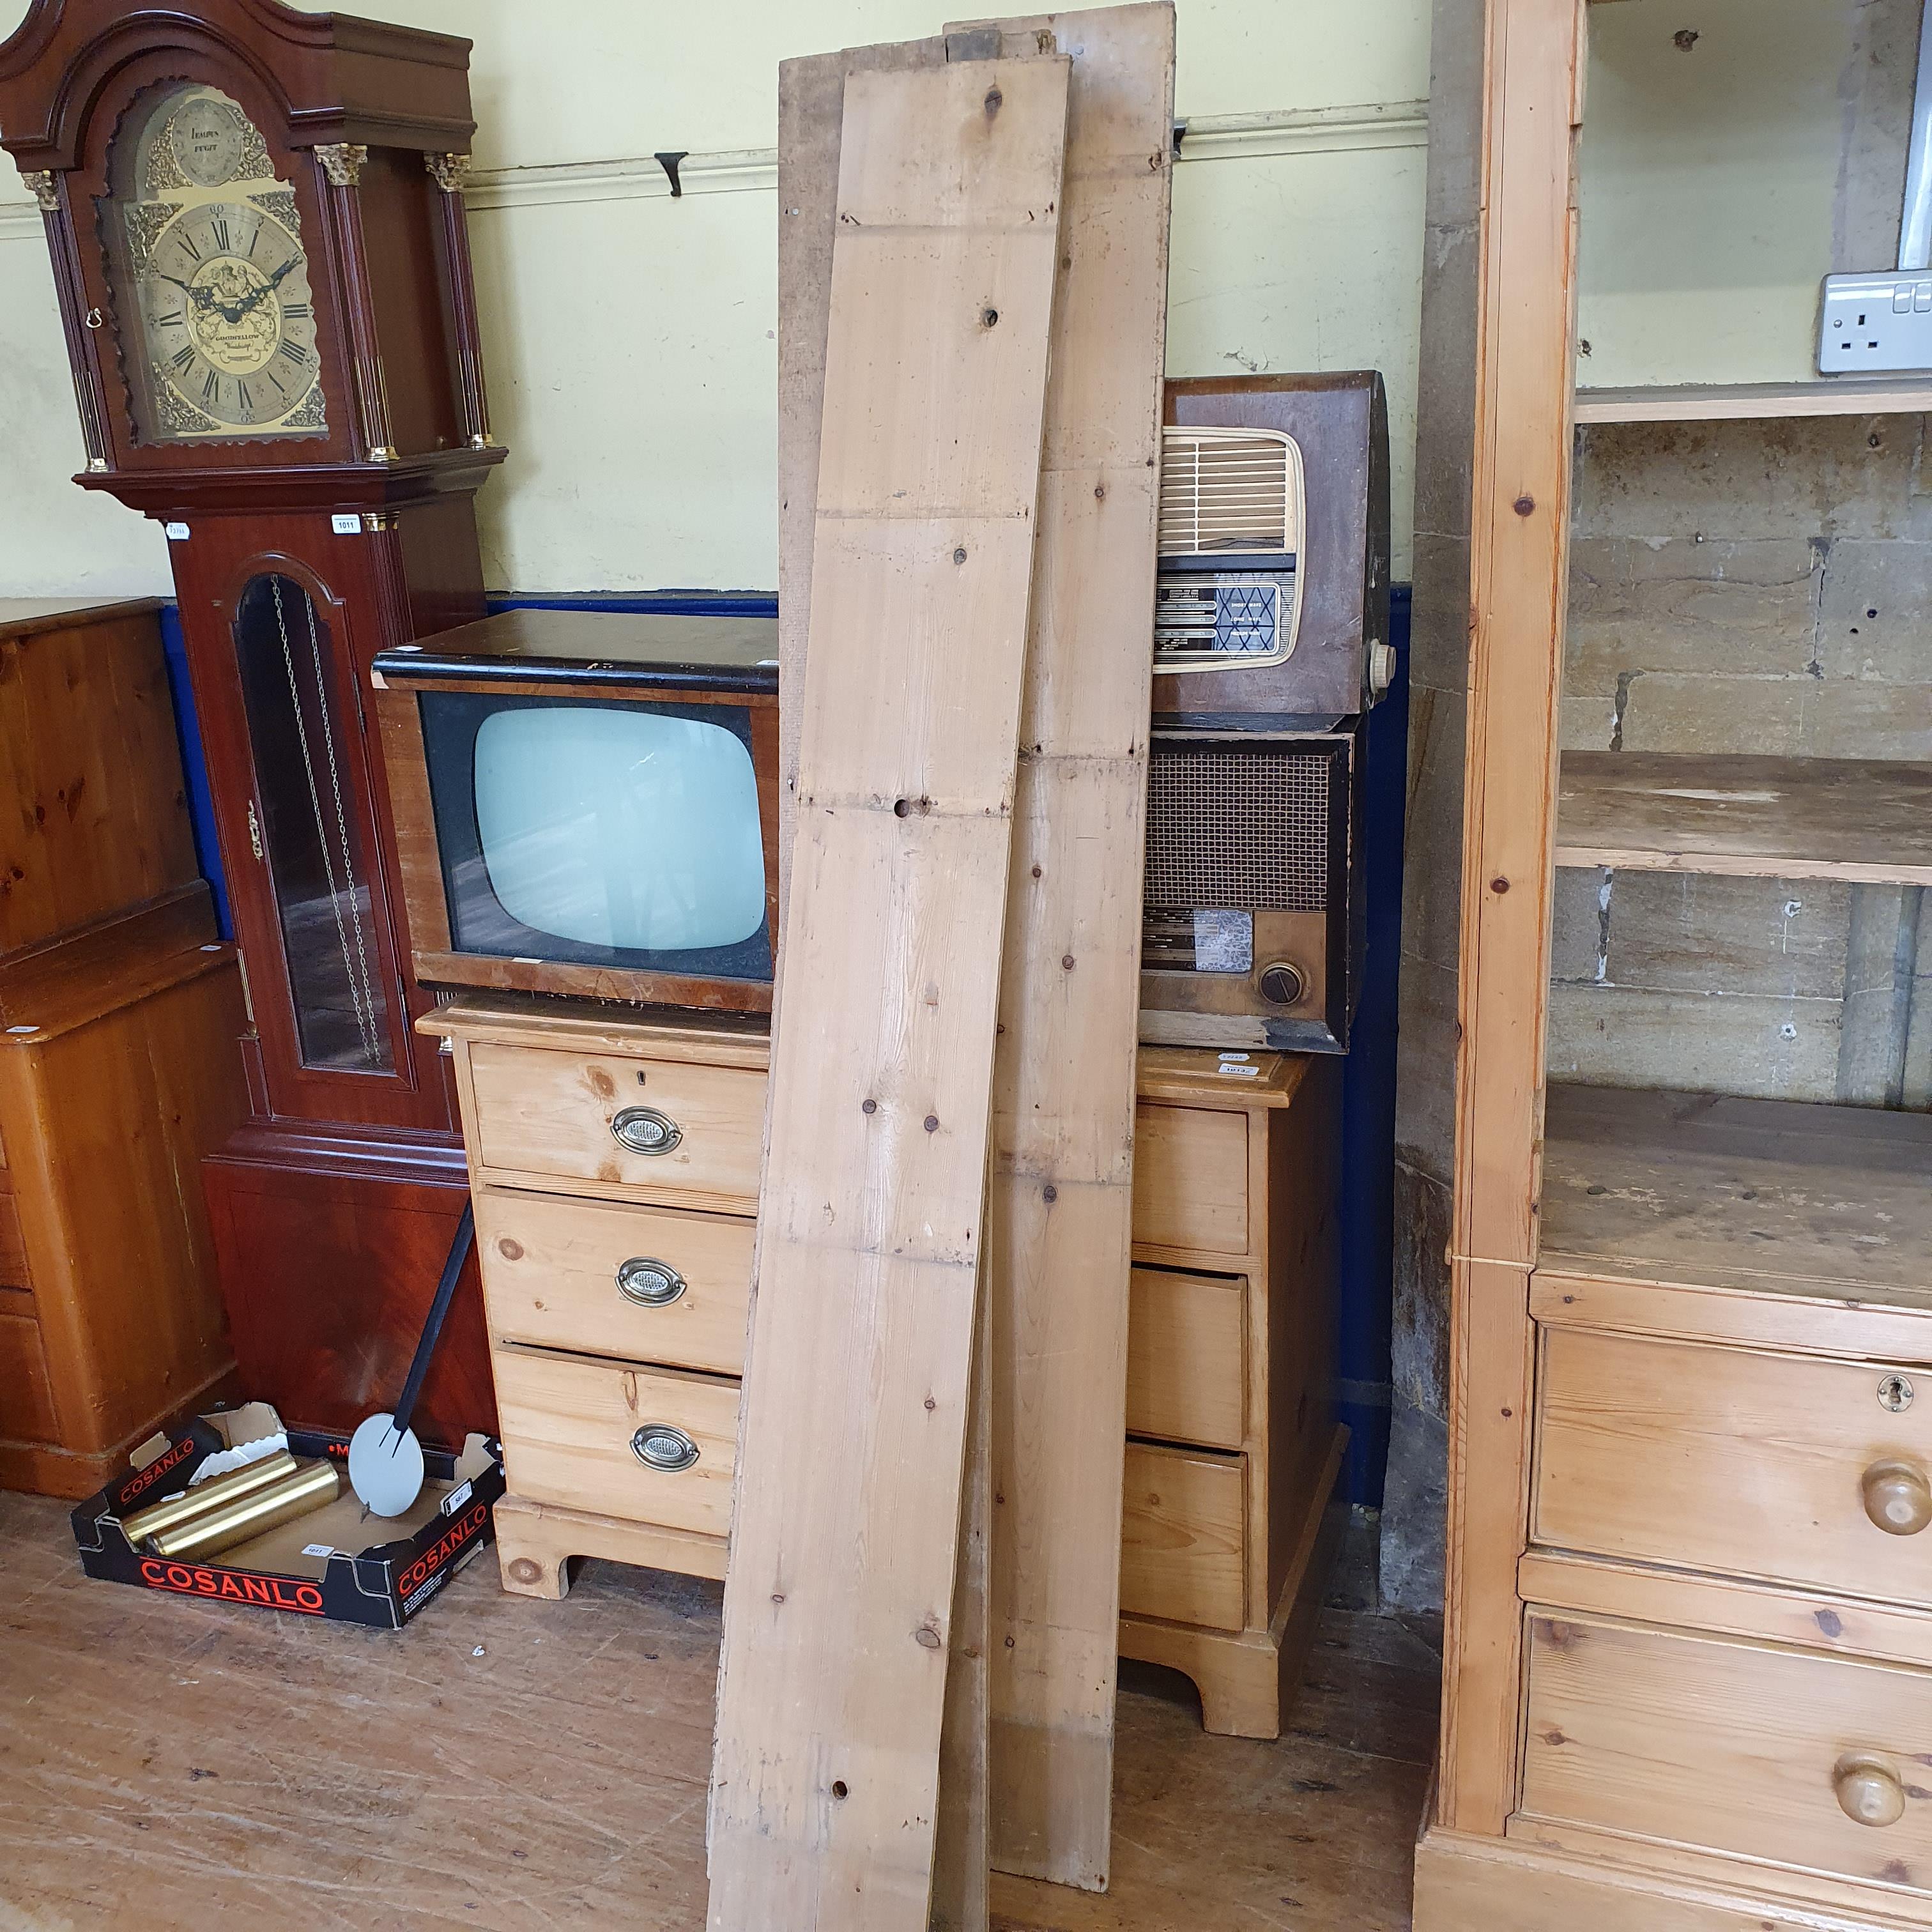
[[1381, 669], [1282, 983]]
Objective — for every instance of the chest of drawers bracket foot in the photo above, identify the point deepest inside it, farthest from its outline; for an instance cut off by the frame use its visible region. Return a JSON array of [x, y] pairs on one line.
[[536, 1542]]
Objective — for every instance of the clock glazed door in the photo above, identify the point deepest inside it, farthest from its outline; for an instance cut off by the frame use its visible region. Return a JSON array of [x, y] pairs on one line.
[[279, 650]]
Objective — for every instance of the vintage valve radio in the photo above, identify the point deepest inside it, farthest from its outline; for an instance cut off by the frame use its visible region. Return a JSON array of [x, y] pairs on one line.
[[1252, 930], [1271, 643], [1272, 602]]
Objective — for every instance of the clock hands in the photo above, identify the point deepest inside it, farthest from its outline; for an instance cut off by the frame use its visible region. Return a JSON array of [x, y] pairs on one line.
[[207, 301], [256, 295], [202, 298]]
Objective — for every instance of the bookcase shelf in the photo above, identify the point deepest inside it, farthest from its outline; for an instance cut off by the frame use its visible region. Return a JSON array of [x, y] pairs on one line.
[[1718, 402], [1699, 1191], [1867, 820]]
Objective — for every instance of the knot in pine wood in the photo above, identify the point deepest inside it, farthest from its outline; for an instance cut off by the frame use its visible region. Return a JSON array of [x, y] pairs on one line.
[[1523, 506]]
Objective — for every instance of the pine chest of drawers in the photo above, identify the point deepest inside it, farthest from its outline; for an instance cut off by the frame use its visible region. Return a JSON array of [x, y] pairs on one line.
[[615, 1168]]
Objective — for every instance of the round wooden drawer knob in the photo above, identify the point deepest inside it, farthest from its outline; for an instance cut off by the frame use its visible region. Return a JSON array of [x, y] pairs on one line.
[[1898, 1498], [1869, 1791]]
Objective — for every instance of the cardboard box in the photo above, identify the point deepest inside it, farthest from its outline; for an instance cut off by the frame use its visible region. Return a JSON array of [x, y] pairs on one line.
[[320, 1565]]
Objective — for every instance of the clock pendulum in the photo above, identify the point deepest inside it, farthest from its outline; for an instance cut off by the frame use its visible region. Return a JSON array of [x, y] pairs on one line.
[[345, 901]]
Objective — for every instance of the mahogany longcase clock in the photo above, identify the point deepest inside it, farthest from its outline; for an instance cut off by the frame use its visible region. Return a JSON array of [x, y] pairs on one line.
[[258, 234]]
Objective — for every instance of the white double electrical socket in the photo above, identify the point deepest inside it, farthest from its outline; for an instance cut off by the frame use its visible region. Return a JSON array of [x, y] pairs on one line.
[[1873, 324]]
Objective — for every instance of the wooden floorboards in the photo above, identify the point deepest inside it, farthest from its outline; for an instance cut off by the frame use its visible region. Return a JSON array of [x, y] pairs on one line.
[[508, 1764]]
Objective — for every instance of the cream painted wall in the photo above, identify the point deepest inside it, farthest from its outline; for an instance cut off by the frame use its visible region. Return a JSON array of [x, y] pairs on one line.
[[630, 338], [1709, 180]]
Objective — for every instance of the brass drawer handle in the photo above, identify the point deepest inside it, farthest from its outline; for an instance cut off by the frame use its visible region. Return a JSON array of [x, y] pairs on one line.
[[649, 1284], [1868, 1791], [658, 1445], [645, 1130], [1897, 1497]]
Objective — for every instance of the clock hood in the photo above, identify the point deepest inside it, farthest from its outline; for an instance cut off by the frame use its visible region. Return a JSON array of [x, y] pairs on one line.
[[337, 77]]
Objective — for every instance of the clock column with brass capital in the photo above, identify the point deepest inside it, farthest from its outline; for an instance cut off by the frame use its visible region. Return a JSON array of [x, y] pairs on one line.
[[256, 220]]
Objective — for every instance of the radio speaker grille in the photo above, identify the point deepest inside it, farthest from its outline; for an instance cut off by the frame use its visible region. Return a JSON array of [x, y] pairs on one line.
[[1245, 829], [1229, 490]]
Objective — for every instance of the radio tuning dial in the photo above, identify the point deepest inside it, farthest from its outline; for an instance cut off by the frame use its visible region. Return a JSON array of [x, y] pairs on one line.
[[1381, 669], [1282, 983]]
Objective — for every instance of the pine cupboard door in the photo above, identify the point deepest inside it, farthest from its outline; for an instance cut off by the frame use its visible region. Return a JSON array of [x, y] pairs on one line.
[[279, 652]]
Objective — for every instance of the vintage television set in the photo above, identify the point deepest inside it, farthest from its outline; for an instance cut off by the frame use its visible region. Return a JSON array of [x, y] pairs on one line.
[[1270, 644], [586, 803]]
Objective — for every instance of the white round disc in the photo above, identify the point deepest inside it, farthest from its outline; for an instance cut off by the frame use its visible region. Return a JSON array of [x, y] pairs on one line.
[[386, 1469]]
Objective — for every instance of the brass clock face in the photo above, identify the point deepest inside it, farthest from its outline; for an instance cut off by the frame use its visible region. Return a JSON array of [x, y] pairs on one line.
[[212, 272]]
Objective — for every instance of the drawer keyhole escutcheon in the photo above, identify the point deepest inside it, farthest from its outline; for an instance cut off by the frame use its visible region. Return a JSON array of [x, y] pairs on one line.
[[649, 1284], [1898, 1497], [1895, 1393], [658, 1445], [645, 1130], [1868, 1791]]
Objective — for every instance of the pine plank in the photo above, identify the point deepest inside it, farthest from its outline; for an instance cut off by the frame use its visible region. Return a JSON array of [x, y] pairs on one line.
[[1060, 1210], [1866, 820], [812, 96], [810, 104], [961, 1864], [839, 1594]]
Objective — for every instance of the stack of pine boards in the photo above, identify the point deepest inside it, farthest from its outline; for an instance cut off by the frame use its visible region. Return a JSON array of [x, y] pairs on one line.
[[918, 1673]]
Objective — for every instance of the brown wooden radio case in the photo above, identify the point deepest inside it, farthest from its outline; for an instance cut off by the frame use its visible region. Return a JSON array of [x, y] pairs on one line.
[[1253, 925], [1338, 419]]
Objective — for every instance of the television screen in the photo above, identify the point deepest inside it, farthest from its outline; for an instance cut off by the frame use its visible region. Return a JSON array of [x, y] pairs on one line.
[[626, 836]]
